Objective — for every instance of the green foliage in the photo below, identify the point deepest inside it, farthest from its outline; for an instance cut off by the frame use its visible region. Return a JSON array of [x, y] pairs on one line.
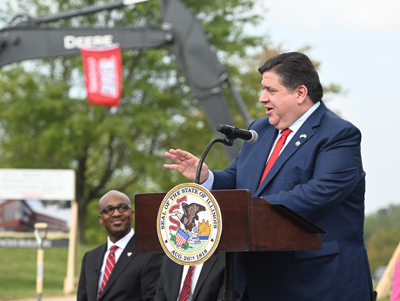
[[385, 219], [186, 246], [94, 232], [382, 235], [381, 246]]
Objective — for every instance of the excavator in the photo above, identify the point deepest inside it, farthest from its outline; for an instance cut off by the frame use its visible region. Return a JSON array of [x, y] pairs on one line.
[[180, 30]]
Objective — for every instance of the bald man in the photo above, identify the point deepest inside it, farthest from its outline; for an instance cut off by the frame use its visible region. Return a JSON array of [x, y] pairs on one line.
[[133, 275]]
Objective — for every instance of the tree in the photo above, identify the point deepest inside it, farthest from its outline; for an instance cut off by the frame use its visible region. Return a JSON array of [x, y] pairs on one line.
[[382, 235], [381, 246], [384, 219], [45, 124]]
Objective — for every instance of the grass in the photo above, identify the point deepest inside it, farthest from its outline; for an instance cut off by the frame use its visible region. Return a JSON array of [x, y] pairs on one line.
[[18, 271]]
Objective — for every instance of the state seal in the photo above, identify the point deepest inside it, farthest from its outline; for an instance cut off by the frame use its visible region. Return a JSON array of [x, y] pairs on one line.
[[189, 224]]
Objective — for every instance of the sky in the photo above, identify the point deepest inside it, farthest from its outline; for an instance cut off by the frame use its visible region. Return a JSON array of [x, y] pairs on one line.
[[358, 45]]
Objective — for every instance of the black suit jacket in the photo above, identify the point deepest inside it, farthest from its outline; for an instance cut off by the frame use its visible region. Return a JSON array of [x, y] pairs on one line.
[[209, 286], [134, 276]]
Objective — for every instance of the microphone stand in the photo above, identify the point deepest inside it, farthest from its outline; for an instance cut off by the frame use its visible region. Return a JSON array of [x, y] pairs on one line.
[[226, 141], [229, 284]]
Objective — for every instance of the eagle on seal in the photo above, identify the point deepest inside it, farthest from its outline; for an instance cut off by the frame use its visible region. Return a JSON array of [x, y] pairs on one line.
[[190, 215]]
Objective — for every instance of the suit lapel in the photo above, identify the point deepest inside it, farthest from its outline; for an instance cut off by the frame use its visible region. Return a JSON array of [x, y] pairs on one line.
[[301, 137], [98, 261], [176, 275], [205, 271], [126, 256]]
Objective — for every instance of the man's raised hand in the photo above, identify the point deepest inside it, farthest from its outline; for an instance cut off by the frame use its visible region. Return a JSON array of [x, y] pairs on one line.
[[186, 164]]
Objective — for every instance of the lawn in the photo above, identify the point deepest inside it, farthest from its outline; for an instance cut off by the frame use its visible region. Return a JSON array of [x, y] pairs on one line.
[[18, 271]]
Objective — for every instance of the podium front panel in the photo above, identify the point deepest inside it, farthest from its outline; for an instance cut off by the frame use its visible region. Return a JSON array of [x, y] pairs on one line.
[[146, 210], [235, 220], [248, 224]]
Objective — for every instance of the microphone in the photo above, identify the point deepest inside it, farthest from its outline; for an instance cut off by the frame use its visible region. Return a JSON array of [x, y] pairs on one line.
[[232, 132]]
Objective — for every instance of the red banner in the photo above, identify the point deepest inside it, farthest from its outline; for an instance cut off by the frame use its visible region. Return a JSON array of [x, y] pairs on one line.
[[103, 74]]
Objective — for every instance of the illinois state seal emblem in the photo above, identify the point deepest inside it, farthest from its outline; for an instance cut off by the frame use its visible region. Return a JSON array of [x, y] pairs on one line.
[[189, 224]]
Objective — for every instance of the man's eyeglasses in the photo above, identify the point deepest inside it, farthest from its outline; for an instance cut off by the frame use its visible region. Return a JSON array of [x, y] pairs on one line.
[[110, 209]]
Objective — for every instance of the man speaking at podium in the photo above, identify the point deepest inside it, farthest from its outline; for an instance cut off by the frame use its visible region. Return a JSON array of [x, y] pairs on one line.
[[308, 159]]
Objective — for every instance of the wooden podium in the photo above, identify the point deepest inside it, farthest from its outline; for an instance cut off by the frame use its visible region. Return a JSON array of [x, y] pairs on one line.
[[248, 224]]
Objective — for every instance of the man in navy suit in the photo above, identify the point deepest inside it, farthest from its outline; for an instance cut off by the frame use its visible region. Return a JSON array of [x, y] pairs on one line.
[[135, 275], [318, 174]]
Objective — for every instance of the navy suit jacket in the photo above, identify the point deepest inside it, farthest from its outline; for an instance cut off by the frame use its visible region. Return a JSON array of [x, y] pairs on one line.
[[319, 175], [209, 286], [134, 276]]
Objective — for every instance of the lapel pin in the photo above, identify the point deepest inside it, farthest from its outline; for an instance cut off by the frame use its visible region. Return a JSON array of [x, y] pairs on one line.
[[298, 143], [129, 254], [303, 136]]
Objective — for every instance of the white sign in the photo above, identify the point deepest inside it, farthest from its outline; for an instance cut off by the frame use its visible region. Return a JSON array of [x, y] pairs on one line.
[[42, 184]]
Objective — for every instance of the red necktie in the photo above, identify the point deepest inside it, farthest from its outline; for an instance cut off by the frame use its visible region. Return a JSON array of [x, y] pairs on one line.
[[275, 153], [109, 267], [186, 285]]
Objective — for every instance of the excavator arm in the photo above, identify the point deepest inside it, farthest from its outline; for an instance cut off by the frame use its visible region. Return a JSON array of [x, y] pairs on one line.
[[180, 30]]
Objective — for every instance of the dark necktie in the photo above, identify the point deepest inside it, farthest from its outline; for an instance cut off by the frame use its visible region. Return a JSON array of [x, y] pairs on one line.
[[275, 153], [109, 267], [186, 285]]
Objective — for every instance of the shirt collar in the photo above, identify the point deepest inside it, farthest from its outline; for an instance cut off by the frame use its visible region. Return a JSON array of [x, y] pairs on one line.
[[299, 122], [122, 242]]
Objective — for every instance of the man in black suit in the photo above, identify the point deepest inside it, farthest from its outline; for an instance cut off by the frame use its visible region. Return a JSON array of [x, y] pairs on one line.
[[134, 276], [207, 280]]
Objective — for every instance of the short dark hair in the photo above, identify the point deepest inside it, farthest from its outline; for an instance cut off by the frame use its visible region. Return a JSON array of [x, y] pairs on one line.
[[295, 69]]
